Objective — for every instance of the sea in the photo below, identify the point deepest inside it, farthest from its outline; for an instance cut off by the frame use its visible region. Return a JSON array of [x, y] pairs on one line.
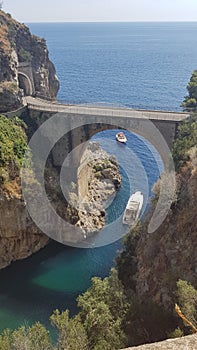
[[135, 65]]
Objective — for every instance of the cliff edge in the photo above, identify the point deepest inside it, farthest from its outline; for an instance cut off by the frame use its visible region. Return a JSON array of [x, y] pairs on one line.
[[169, 253], [184, 343], [25, 68]]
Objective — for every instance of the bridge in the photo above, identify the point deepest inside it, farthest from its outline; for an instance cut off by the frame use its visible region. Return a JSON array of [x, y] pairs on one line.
[[158, 127], [64, 128], [55, 107]]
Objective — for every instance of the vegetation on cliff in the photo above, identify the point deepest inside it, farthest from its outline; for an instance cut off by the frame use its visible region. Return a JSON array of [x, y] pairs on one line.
[[186, 140], [187, 131], [19, 236], [190, 102], [13, 145]]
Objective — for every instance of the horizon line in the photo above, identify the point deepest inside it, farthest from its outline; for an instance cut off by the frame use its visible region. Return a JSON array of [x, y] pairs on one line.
[[137, 21]]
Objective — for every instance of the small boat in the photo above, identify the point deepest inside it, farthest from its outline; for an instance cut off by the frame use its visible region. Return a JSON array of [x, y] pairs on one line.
[[133, 208], [120, 136]]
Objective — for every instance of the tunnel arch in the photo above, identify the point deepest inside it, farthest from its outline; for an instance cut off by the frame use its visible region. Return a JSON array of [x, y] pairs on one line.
[[25, 84]]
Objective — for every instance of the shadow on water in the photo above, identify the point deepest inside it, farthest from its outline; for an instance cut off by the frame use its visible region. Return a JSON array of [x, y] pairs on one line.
[[53, 278], [24, 300]]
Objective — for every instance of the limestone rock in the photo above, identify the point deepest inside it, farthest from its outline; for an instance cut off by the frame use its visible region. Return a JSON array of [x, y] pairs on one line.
[[184, 343], [10, 97], [25, 67], [99, 179], [170, 253], [19, 236]]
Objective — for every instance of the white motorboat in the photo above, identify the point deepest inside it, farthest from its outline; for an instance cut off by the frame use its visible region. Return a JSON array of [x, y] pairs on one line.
[[120, 136], [133, 208]]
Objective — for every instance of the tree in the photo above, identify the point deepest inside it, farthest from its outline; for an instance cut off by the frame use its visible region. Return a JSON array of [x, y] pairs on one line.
[[102, 328], [71, 332], [186, 139], [1, 4], [187, 131], [103, 307], [190, 102], [126, 261], [13, 145], [187, 300], [5, 340], [35, 337]]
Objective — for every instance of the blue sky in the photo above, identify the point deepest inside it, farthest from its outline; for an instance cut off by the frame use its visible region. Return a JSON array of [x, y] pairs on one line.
[[101, 10]]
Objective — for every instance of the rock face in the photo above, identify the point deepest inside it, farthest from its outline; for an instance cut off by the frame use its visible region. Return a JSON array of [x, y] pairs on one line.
[[19, 236], [184, 343], [98, 179], [170, 253], [25, 68]]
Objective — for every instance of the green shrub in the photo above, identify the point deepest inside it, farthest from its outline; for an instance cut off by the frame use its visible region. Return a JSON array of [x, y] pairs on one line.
[[187, 300], [71, 332], [177, 333], [103, 307], [190, 102], [6, 340], [186, 139], [24, 56], [187, 131], [13, 144]]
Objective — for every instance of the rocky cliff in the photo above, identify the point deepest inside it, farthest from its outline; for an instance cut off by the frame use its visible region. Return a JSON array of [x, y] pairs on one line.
[[19, 237], [170, 253], [86, 199], [25, 68], [102, 178]]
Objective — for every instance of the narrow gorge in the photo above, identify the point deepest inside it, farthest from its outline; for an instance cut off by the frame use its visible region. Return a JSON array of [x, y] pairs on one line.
[[26, 69], [134, 305]]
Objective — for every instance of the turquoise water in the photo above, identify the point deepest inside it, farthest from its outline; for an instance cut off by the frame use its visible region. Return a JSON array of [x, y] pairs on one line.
[[136, 65], [31, 289]]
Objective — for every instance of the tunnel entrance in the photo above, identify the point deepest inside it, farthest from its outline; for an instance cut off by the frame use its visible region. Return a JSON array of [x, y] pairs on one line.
[[25, 84]]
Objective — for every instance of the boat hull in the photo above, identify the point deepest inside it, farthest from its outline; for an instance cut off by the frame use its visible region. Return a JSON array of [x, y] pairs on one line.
[[133, 209], [120, 137]]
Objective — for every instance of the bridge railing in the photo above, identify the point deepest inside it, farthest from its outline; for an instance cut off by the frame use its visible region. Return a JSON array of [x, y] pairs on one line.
[[107, 111], [16, 112]]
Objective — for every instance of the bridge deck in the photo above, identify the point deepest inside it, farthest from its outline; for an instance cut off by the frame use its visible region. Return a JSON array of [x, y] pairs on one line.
[[55, 107]]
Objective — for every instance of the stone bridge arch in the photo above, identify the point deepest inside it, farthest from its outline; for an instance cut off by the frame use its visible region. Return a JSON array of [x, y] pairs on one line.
[[158, 127], [61, 128], [74, 142], [25, 84], [81, 134]]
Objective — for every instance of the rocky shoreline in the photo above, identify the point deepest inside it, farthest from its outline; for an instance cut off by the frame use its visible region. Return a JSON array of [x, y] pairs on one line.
[[103, 181]]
